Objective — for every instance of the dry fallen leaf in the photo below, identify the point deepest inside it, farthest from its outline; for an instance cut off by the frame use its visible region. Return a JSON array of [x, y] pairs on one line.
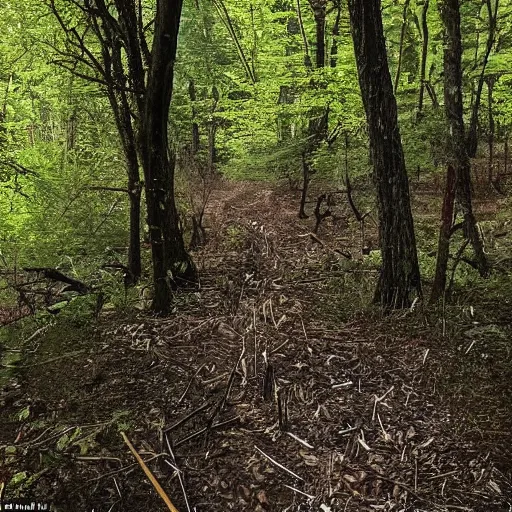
[[257, 475], [309, 460], [262, 498]]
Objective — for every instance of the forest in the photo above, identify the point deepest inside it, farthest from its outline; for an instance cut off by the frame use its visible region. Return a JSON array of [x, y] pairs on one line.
[[256, 255]]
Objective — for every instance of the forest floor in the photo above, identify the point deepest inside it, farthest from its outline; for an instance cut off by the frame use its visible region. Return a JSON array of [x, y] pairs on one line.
[[270, 388]]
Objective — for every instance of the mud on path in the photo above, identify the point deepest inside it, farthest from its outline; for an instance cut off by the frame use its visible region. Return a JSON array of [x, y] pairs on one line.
[[269, 389]]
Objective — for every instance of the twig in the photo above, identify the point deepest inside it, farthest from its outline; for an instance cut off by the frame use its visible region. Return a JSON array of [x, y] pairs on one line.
[[150, 475], [300, 492], [51, 360], [222, 403], [435, 477], [280, 466], [190, 383], [37, 333], [380, 399], [301, 441], [129, 467], [205, 429], [178, 471], [279, 347], [188, 416], [182, 485]]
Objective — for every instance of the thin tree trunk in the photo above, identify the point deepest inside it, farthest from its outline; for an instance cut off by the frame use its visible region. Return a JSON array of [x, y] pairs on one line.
[[306, 179], [195, 125], [443, 247], [319, 117], [226, 19], [400, 275], [307, 57], [124, 125], [450, 16], [401, 49], [472, 136], [134, 256], [254, 49], [134, 187], [424, 53], [335, 34], [490, 87], [505, 165], [432, 93], [212, 131]]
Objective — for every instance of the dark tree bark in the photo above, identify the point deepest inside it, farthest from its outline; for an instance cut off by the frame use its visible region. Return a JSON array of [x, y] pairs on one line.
[[458, 156], [171, 262], [424, 53], [401, 49], [472, 136], [195, 125], [149, 79], [123, 116], [319, 215], [335, 34], [307, 57], [400, 276], [490, 87], [445, 233], [319, 8], [319, 117], [306, 179]]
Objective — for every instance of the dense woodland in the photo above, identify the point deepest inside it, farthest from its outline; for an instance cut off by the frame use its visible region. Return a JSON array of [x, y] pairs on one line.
[[204, 204]]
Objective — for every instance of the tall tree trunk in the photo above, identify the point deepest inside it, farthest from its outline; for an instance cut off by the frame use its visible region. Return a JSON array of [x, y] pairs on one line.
[[400, 275], [450, 14], [122, 115], [319, 8], [226, 19], [306, 180], [445, 233], [195, 125], [401, 48], [171, 262], [424, 53], [134, 256], [212, 132], [490, 87], [335, 34], [505, 164], [472, 136], [319, 117], [307, 57]]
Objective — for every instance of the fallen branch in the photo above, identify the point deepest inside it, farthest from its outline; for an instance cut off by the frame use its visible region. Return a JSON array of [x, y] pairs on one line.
[[280, 466], [345, 254], [150, 475], [320, 217], [188, 417], [55, 275], [206, 429]]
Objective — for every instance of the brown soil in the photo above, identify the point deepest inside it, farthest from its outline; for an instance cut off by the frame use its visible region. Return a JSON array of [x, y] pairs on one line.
[[271, 389]]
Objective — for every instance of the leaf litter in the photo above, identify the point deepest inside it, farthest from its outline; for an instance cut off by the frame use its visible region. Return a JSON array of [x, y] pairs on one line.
[[260, 394]]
